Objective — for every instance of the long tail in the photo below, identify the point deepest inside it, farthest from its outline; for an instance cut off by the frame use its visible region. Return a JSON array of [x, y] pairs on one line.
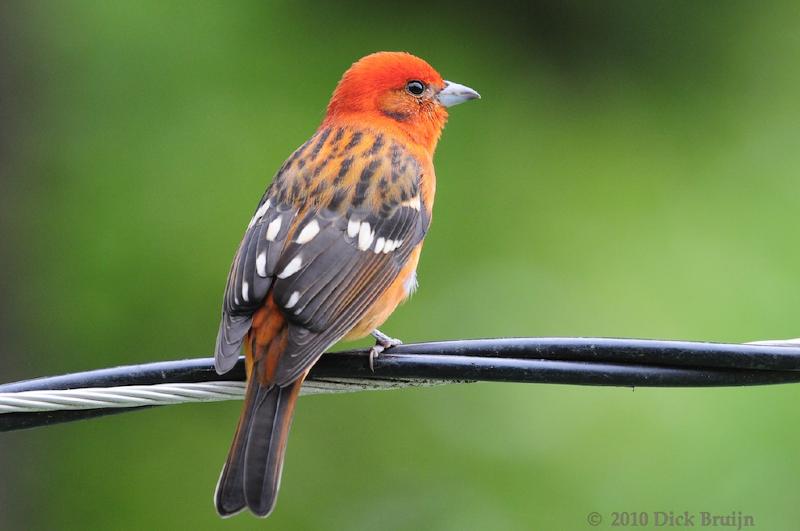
[[252, 474]]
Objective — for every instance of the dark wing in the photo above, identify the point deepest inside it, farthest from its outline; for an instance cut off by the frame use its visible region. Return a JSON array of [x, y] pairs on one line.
[[326, 285], [253, 268], [251, 276], [350, 215]]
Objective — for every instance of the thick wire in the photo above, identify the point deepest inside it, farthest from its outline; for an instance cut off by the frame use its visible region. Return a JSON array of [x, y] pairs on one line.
[[119, 397], [577, 361], [129, 396]]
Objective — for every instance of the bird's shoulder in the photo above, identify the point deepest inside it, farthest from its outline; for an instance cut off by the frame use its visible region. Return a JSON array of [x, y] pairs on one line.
[[333, 230], [342, 168]]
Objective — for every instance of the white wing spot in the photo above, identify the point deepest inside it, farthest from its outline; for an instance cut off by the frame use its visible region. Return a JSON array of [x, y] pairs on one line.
[[261, 264], [293, 298], [365, 236], [380, 243], [414, 203], [308, 232], [352, 227], [292, 267], [246, 291], [274, 228], [259, 214]]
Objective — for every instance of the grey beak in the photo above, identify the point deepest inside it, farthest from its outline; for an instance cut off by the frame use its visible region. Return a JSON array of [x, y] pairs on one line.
[[453, 94]]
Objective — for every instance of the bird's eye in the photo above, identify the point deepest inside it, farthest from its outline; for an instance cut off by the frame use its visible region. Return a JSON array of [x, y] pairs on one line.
[[415, 87]]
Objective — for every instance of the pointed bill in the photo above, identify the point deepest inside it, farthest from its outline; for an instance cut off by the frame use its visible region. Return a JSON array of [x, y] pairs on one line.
[[453, 94]]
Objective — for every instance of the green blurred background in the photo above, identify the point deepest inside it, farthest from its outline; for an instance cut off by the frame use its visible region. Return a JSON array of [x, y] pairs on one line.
[[632, 170]]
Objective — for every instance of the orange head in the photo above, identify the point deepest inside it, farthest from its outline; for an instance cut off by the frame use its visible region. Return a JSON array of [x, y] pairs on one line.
[[396, 91]]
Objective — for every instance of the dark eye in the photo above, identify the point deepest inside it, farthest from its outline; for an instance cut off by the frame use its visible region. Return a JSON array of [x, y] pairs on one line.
[[416, 87]]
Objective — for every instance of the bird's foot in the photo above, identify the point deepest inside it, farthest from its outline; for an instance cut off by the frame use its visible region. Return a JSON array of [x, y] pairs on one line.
[[382, 342]]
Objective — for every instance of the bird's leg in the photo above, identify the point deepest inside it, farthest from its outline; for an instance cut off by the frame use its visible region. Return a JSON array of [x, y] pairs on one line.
[[382, 342]]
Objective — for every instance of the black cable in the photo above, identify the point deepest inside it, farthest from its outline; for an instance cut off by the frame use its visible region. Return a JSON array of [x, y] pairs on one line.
[[575, 361]]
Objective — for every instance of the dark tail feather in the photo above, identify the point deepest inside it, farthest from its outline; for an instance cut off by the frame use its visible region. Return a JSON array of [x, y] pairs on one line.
[[229, 496], [266, 445], [252, 473]]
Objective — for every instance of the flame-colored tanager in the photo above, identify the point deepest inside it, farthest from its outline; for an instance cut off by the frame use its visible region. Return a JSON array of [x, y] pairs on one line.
[[329, 254]]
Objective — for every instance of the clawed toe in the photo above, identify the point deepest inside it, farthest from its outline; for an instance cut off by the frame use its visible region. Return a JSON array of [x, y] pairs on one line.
[[374, 352], [382, 342]]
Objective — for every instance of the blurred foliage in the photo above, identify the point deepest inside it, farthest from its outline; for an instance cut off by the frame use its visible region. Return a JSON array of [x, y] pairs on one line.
[[632, 170]]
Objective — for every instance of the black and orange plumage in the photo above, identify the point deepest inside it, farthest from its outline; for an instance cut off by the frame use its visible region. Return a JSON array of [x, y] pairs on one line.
[[329, 254]]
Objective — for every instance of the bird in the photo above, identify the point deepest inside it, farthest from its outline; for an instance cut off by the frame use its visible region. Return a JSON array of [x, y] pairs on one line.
[[330, 252]]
